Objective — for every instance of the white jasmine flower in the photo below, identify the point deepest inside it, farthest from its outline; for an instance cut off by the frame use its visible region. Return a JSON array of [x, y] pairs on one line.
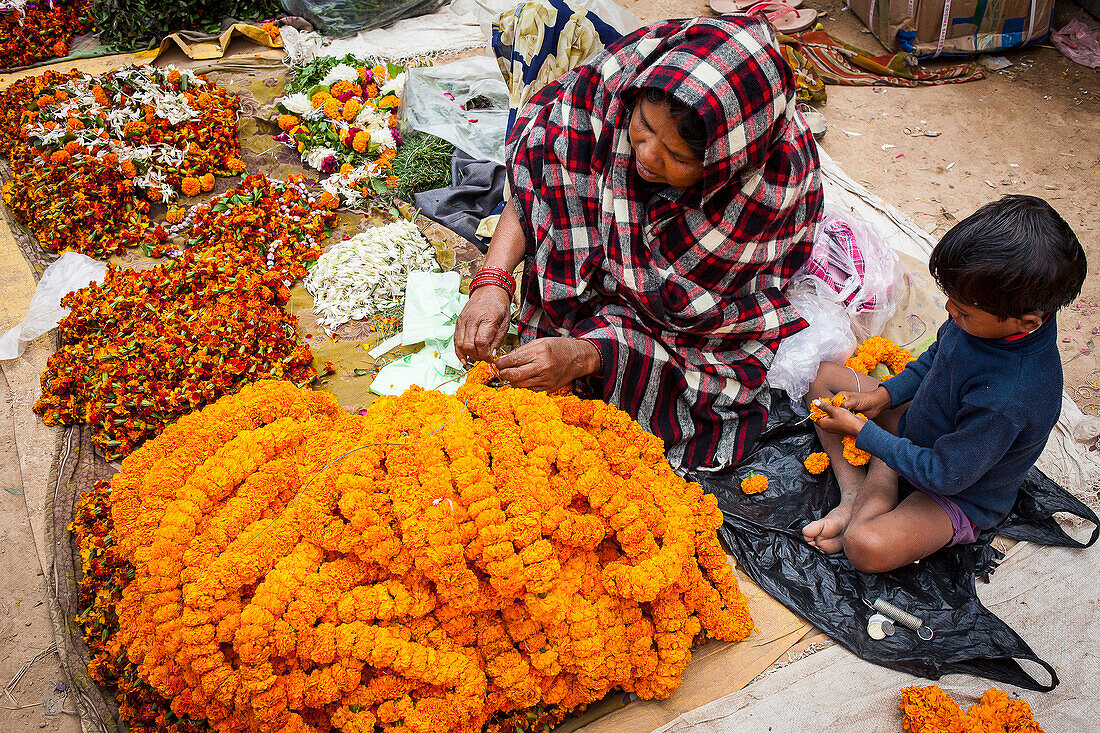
[[396, 85], [296, 104], [341, 72]]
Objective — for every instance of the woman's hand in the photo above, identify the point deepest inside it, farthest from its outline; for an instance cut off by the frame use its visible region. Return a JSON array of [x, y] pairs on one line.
[[548, 364], [482, 324], [871, 404], [839, 420]]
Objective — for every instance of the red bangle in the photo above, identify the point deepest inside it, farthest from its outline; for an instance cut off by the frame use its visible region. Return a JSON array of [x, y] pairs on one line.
[[494, 276]]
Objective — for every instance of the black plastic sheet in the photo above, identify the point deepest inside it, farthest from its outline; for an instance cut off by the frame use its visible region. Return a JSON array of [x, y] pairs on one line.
[[341, 18], [763, 532]]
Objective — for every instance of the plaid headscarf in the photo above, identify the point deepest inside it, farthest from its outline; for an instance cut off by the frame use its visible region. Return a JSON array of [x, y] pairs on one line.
[[679, 289]]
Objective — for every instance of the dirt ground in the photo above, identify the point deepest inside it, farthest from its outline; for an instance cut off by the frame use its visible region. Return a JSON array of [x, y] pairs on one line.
[[1031, 128]]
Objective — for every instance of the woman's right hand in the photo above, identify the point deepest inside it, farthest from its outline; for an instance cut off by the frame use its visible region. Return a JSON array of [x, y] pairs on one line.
[[482, 324], [871, 404]]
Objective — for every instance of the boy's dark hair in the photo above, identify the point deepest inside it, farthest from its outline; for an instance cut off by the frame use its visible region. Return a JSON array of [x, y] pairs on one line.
[[1010, 258], [689, 123]]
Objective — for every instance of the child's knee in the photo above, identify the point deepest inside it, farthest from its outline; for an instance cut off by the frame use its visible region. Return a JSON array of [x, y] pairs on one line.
[[867, 549], [827, 377]]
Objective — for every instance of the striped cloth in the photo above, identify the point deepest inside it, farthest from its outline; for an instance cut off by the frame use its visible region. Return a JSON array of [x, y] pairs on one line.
[[819, 59], [679, 289]]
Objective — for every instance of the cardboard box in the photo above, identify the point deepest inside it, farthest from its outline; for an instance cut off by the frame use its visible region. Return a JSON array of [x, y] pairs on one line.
[[929, 28]]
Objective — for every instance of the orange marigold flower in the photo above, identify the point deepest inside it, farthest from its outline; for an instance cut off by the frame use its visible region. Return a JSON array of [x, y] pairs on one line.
[[393, 182], [286, 122], [361, 141], [175, 214], [235, 165], [318, 100], [129, 170], [754, 483], [351, 109], [855, 456], [207, 182], [816, 462], [333, 108], [191, 186], [59, 157]]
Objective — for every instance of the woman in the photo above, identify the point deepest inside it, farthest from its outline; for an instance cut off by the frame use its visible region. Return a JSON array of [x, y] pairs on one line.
[[662, 196]]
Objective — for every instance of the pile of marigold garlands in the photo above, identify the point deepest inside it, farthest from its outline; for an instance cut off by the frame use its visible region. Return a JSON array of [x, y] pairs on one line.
[[147, 346], [930, 710], [88, 153], [419, 568], [34, 30]]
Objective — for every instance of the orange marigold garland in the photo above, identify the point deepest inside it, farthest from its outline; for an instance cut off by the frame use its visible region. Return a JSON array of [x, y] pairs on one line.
[[816, 463], [930, 710], [89, 153], [425, 565], [879, 350]]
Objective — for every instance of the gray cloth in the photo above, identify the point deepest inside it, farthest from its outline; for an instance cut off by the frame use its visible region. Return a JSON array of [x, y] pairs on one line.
[[476, 191]]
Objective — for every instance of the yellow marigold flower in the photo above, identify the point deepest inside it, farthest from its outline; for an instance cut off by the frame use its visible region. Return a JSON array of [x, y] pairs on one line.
[[360, 142], [286, 122], [855, 456], [351, 109], [333, 108], [175, 214], [319, 99]]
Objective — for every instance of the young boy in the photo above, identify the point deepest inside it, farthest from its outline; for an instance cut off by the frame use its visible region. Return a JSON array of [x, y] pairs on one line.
[[963, 423]]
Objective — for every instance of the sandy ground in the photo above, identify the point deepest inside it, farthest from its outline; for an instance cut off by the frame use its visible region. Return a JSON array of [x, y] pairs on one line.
[[1032, 128]]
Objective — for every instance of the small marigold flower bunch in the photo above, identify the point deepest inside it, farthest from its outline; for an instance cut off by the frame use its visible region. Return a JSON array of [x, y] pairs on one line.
[[754, 483], [879, 350], [427, 566], [816, 463]]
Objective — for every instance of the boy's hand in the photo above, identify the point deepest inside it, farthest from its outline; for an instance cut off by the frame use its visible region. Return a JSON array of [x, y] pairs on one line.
[[871, 404], [838, 420]]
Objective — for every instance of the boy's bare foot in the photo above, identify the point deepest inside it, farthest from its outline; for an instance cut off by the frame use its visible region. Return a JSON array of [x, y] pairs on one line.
[[827, 533]]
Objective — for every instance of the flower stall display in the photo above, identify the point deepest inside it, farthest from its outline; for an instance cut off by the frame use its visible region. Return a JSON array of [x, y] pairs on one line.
[[35, 30], [341, 115], [420, 567], [930, 710], [88, 153], [365, 275]]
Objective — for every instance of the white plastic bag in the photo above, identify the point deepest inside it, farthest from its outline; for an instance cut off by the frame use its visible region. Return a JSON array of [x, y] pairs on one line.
[[829, 337], [435, 97], [860, 268], [70, 271]]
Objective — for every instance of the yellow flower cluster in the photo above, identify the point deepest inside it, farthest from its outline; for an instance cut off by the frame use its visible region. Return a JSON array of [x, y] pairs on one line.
[[879, 350], [754, 483], [855, 456], [930, 710], [816, 463], [418, 568]]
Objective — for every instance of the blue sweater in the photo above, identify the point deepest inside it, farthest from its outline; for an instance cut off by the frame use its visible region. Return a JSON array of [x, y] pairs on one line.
[[981, 413]]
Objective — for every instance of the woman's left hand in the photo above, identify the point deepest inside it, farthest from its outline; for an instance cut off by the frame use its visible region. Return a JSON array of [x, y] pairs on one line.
[[548, 364]]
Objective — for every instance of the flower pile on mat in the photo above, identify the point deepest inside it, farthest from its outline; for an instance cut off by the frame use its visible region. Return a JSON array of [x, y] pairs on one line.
[[35, 30], [282, 222], [145, 347], [366, 274], [879, 350], [422, 567], [88, 153], [344, 123], [930, 710]]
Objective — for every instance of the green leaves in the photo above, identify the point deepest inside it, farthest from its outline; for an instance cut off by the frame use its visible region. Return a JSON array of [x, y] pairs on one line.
[[132, 25]]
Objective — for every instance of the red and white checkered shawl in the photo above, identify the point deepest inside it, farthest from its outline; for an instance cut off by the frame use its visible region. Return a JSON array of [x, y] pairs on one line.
[[680, 289]]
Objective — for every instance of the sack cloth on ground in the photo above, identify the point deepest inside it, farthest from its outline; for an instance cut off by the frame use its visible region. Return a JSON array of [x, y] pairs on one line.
[[763, 532]]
